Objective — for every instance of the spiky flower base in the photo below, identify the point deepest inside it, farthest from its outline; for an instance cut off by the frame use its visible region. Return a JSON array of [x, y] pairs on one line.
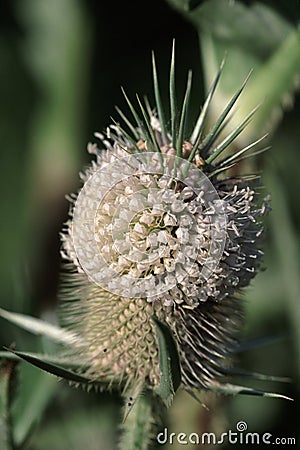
[[119, 341], [158, 231]]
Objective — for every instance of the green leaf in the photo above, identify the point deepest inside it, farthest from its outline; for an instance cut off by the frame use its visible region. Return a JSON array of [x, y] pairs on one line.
[[39, 327], [226, 27], [52, 359], [35, 391], [31, 403], [275, 91], [182, 5], [93, 427], [52, 368], [170, 371]]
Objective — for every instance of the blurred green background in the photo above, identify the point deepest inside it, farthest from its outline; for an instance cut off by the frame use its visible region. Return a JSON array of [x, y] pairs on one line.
[[62, 63]]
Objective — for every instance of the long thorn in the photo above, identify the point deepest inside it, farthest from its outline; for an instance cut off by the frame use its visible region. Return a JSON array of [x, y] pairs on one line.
[[207, 141], [133, 111], [173, 96], [150, 131], [160, 111], [227, 141], [182, 123], [203, 114], [238, 154], [128, 123]]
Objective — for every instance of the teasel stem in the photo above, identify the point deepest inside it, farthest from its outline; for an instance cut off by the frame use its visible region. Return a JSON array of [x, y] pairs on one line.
[[142, 423], [7, 374]]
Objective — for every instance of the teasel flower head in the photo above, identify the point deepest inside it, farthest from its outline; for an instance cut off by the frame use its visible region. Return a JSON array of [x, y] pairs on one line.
[[163, 235]]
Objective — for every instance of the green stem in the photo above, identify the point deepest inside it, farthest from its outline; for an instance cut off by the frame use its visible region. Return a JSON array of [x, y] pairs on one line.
[[141, 424], [7, 370]]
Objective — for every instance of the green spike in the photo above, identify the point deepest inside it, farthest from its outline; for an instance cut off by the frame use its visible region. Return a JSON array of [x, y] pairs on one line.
[[184, 112], [209, 138], [133, 111], [227, 141], [148, 107], [234, 389], [195, 397], [256, 375], [173, 97], [132, 141], [160, 111], [258, 152], [196, 135], [150, 131], [251, 344], [128, 123], [238, 154], [220, 170]]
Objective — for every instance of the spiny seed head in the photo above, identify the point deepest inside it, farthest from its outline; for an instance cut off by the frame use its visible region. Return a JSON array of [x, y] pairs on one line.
[[158, 230]]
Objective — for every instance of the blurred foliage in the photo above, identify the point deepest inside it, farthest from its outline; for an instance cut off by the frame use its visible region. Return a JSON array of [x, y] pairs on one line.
[[62, 64], [275, 40]]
